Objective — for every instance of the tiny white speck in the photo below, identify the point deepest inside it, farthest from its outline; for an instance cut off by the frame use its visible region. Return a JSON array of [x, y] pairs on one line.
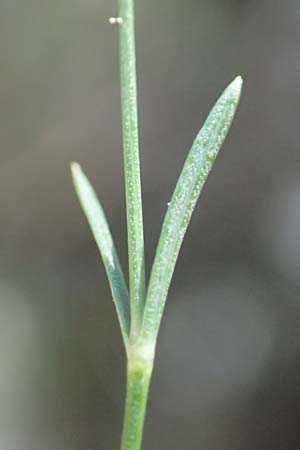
[[115, 20], [169, 203]]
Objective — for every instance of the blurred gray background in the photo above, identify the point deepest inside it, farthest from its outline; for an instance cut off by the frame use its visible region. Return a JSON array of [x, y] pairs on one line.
[[228, 361]]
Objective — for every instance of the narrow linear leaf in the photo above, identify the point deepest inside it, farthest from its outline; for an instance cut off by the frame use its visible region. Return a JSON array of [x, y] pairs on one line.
[[132, 164], [101, 232], [190, 183]]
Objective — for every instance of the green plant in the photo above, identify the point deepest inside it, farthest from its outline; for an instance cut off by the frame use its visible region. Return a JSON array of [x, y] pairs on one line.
[[140, 310]]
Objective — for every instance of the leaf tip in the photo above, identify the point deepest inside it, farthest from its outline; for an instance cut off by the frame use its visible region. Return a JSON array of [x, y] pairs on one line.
[[234, 90], [75, 168], [239, 80], [237, 83]]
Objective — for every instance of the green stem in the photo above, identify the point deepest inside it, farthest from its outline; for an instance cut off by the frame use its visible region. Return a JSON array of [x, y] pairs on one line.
[[132, 164], [138, 381]]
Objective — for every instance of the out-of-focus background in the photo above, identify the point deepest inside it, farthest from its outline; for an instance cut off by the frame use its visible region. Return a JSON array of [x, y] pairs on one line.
[[228, 362]]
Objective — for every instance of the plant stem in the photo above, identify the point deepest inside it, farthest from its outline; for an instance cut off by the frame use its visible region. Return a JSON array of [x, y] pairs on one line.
[[138, 371], [138, 381], [132, 164]]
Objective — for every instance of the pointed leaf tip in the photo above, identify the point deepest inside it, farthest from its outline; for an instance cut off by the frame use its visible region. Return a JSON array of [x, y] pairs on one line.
[[236, 85], [238, 80], [75, 167]]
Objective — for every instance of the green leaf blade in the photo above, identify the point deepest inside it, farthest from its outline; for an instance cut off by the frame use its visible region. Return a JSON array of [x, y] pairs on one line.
[[128, 82], [190, 183], [102, 235]]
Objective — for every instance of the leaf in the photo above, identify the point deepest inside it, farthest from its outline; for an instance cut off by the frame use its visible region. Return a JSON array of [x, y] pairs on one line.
[[101, 232], [190, 183], [134, 211]]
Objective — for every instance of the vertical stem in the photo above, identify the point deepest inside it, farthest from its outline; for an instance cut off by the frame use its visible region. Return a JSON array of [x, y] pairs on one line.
[[132, 164], [138, 381]]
